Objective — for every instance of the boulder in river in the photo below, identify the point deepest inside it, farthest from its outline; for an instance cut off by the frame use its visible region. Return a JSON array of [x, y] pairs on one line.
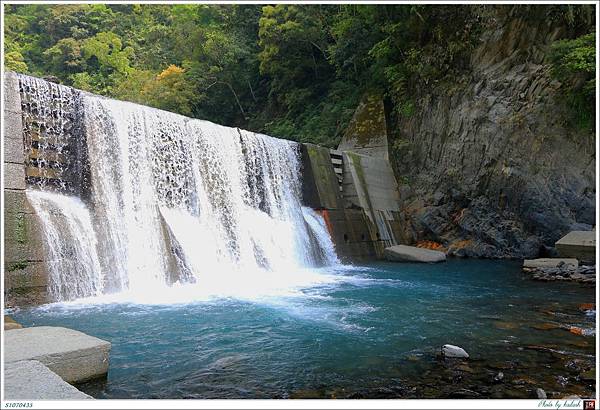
[[403, 253], [454, 352]]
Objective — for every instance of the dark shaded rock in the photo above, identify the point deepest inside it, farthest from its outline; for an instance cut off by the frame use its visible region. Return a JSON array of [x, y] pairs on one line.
[[464, 394]]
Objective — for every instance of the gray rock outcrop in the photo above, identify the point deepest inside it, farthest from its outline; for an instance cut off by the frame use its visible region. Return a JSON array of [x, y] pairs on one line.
[[490, 164]]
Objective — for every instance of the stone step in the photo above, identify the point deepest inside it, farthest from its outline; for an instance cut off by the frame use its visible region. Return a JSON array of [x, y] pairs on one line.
[[31, 380], [551, 263], [403, 253], [73, 355]]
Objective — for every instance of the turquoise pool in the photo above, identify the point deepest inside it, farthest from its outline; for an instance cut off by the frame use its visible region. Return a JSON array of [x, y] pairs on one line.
[[373, 333]]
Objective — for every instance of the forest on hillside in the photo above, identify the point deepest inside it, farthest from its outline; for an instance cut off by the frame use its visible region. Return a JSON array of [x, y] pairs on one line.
[[292, 71]]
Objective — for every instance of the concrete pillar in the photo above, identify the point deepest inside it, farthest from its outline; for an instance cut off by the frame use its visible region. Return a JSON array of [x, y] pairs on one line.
[[26, 276]]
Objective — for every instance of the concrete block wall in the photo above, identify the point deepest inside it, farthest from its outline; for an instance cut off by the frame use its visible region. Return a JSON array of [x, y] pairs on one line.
[[320, 188], [369, 183], [351, 234], [25, 273], [350, 227], [364, 218]]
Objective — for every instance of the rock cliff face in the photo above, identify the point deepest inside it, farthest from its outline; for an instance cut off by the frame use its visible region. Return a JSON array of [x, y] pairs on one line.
[[488, 166]]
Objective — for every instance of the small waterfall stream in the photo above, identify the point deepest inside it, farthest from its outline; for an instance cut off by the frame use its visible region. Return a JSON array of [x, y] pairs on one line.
[[70, 243], [178, 201]]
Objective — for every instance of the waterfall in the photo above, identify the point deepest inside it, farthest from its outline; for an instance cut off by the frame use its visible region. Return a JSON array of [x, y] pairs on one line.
[[70, 243], [175, 201], [321, 234]]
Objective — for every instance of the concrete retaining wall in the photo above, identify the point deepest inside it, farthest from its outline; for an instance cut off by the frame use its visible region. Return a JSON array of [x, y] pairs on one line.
[[25, 273]]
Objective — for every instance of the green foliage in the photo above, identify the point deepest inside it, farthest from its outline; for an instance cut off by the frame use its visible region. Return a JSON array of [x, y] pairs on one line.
[[14, 61], [574, 64], [19, 265], [290, 70], [169, 91], [65, 56]]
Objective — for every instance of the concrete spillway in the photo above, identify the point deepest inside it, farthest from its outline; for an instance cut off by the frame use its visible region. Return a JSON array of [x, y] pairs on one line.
[[123, 198]]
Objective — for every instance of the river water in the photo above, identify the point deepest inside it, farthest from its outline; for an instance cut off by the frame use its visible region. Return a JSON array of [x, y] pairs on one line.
[[370, 331]]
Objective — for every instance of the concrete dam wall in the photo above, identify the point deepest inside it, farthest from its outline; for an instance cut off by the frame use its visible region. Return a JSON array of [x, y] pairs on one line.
[[105, 196]]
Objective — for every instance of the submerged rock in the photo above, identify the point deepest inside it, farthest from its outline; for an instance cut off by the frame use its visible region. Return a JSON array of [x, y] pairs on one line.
[[546, 326], [454, 351], [583, 306], [589, 375], [464, 394], [10, 324], [506, 325], [403, 253]]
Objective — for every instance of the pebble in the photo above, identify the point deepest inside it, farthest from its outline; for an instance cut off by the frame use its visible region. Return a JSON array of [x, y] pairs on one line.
[[454, 351]]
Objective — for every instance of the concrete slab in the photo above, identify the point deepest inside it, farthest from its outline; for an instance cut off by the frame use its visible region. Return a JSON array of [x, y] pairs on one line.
[[580, 245], [403, 253], [13, 126], [31, 380], [551, 263], [72, 355], [14, 150]]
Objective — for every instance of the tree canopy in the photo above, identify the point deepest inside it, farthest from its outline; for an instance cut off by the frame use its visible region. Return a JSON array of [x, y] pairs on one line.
[[289, 70]]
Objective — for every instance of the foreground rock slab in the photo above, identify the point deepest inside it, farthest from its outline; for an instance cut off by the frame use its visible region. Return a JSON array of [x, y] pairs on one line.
[[403, 253], [31, 380], [72, 355]]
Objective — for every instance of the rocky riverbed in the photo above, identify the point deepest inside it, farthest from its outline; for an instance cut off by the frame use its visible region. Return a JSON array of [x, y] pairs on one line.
[[582, 274], [562, 368]]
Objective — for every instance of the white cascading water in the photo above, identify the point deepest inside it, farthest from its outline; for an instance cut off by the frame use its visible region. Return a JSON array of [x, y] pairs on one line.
[[70, 243], [178, 203]]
